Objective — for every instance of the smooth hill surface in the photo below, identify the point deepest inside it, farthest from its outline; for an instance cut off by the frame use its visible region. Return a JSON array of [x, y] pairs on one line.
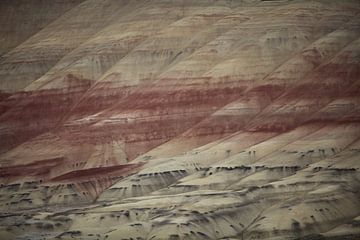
[[179, 119]]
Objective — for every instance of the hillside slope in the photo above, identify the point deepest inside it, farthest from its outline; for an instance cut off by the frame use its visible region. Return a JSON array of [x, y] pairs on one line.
[[180, 120]]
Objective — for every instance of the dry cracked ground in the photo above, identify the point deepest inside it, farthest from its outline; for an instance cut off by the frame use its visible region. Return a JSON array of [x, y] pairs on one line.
[[179, 119]]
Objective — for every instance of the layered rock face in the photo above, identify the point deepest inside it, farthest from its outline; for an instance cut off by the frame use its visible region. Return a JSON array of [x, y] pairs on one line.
[[179, 119]]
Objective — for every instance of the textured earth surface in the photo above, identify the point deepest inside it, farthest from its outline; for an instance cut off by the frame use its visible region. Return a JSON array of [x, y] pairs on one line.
[[179, 119]]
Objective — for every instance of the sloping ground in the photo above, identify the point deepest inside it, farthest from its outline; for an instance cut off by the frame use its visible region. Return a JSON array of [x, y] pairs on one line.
[[181, 120], [21, 19]]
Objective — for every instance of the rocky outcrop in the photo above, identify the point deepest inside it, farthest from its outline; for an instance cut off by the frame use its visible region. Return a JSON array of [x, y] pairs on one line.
[[180, 120]]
